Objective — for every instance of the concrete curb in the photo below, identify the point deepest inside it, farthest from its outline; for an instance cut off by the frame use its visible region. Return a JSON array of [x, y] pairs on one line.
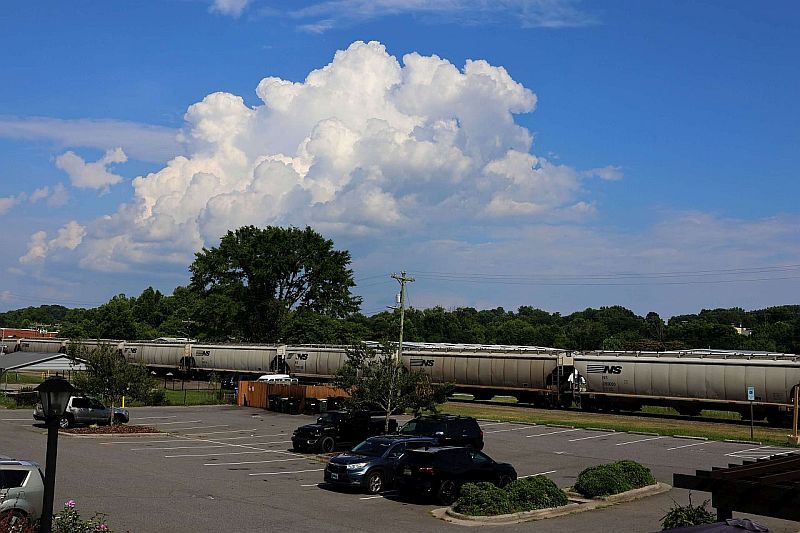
[[601, 429], [577, 504], [559, 426], [734, 441], [646, 433], [689, 437]]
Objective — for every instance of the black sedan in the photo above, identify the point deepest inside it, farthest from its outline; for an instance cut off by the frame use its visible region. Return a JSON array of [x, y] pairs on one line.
[[370, 465], [440, 472]]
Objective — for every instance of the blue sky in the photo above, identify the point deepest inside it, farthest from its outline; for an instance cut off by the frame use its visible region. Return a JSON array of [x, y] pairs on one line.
[[565, 154]]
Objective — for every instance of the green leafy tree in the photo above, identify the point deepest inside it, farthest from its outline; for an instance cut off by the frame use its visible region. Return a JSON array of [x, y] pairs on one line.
[[266, 272], [374, 378], [109, 376]]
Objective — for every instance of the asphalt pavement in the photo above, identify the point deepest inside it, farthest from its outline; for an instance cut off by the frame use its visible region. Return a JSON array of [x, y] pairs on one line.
[[217, 468]]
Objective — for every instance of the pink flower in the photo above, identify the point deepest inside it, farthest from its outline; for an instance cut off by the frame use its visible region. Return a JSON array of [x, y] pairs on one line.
[[102, 527], [70, 504]]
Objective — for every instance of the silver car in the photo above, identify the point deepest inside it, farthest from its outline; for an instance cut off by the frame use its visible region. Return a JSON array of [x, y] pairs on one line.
[[21, 492], [85, 410]]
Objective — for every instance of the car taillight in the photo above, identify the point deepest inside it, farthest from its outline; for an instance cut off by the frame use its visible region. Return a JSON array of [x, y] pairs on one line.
[[427, 471]]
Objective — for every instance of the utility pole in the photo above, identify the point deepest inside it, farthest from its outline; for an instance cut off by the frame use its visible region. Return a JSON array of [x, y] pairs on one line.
[[402, 279]]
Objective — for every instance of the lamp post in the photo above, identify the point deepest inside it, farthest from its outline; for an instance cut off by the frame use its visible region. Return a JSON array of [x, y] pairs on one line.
[[54, 394]]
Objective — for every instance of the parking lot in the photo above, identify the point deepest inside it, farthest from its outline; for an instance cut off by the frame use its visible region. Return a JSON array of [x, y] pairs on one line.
[[224, 467]]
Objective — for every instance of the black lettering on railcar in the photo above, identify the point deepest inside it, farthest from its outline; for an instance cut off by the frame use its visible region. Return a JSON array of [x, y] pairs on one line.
[[202, 353], [604, 369], [421, 362]]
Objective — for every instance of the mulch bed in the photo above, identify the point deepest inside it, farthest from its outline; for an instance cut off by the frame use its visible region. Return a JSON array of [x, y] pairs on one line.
[[107, 430]]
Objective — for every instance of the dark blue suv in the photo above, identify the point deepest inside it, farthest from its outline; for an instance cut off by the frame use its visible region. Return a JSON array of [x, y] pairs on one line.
[[370, 465]]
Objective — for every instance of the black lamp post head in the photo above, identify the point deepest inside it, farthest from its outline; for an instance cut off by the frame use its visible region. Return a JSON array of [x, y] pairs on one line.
[[54, 394]]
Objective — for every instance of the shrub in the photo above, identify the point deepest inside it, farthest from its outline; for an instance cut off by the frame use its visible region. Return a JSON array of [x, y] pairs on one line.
[[613, 478], [537, 492], [70, 521], [483, 499], [687, 515]]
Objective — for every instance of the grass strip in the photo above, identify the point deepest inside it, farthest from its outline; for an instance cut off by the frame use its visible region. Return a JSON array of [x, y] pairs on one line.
[[628, 423]]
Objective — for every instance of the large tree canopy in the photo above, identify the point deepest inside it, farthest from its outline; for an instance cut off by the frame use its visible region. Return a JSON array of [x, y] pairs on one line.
[[260, 274]]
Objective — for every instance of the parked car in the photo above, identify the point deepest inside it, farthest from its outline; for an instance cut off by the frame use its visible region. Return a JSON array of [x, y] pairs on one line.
[[370, 464], [21, 492], [85, 410], [448, 430], [338, 428], [440, 472]]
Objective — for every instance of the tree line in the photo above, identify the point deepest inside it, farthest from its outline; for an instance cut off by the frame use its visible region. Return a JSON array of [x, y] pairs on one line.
[[290, 285]]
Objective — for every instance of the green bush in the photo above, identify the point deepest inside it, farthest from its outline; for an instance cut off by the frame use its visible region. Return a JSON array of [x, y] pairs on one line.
[[536, 492], [687, 515], [613, 478], [483, 499]]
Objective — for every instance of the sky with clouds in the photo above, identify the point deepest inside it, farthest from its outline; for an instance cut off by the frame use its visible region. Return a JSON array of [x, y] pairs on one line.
[[561, 154]]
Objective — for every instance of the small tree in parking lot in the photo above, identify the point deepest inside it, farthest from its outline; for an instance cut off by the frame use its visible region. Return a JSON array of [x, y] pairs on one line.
[[109, 376], [374, 378]]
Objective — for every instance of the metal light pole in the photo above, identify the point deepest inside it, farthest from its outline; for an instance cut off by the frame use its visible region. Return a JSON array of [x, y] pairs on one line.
[[54, 394]]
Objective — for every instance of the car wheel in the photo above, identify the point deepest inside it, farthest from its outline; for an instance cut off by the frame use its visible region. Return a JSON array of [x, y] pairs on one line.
[[478, 445], [14, 520], [375, 482], [118, 419], [64, 422], [504, 480], [448, 492], [327, 445]]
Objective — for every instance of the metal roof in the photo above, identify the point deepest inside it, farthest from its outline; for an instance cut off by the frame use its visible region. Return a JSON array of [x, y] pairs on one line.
[[21, 360]]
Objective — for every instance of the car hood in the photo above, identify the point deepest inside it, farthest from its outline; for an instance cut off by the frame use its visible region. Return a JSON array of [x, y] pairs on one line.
[[351, 458], [311, 428]]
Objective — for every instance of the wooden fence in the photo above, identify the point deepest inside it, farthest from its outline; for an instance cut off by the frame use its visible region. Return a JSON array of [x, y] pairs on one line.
[[257, 393]]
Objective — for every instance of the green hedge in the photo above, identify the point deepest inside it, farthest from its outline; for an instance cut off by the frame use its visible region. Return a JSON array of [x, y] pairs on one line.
[[613, 478], [485, 499]]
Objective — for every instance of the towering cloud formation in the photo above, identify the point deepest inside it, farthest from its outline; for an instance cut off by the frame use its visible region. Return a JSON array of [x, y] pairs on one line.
[[362, 146]]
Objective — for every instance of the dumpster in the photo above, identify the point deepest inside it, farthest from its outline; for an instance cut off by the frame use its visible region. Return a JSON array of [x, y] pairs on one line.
[[284, 405], [323, 405], [273, 402], [294, 406], [311, 407]]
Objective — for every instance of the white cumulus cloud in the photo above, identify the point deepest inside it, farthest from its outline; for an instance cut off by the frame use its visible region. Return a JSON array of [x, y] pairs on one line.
[[233, 8], [91, 175], [67, 237], [368, 145]]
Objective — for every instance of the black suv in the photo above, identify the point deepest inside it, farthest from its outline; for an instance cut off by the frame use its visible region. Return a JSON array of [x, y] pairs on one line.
[[370, 465], [448, 430], [440, 472]]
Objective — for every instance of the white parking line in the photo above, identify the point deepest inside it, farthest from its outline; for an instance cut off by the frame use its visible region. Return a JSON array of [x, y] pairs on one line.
[[539, 474], [223, 445], [218, 432], [552, 433], [153, 417], [168, 423], [142, 441], [287, 472], [17, 419], [213, 454], [250, 436], [735, 454], [207, 427], [256, 462], [640, 440], [687, 445], [591, 437], [512, 429], [492, 424]]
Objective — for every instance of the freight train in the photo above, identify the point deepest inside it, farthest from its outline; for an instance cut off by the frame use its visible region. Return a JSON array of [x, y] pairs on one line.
[[688, 380]]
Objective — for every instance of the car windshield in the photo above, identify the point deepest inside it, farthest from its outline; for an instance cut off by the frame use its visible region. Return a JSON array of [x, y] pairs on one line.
[[372, 447], [328, 418], [421, 427]]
